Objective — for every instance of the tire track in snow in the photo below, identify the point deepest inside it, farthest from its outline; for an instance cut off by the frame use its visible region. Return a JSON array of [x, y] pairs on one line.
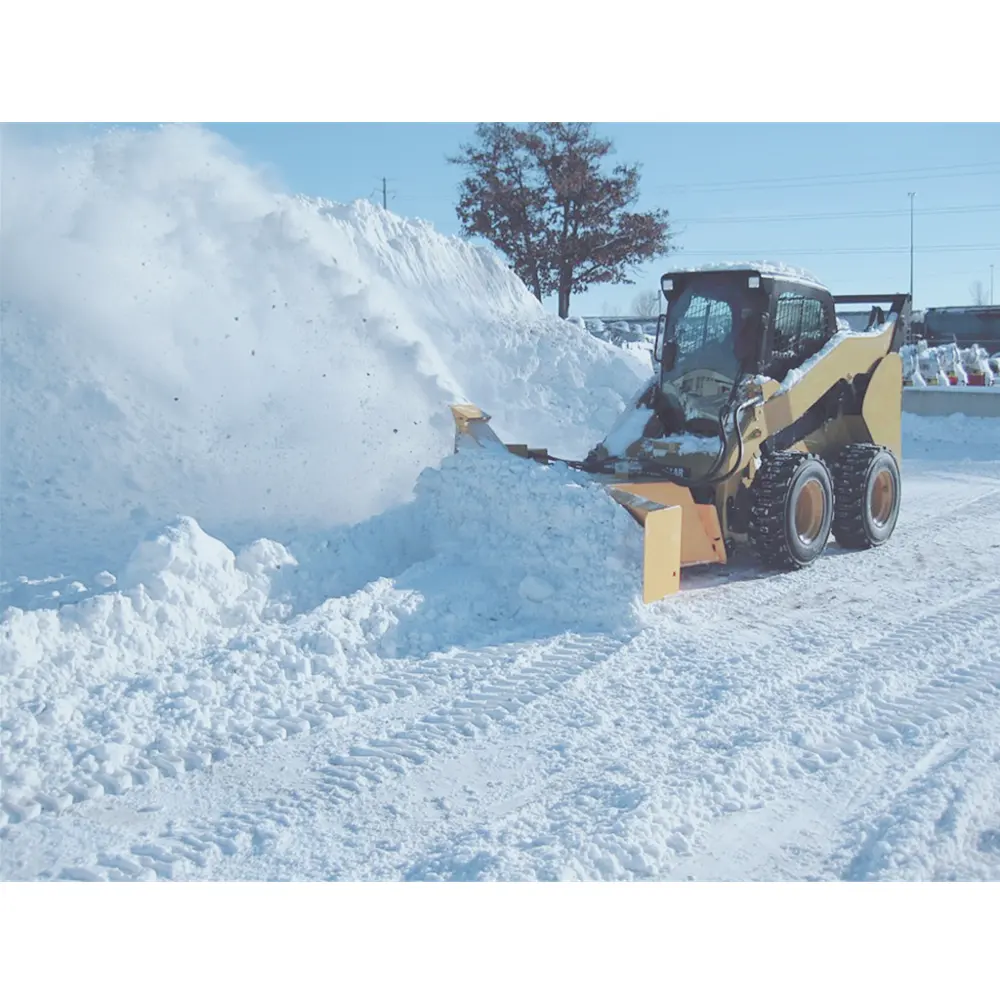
[[609, 850], [364, 766], [876, 725], [374, 763], [425, 677], [465, 718], [641, 820], [970, 680], [942, 820]]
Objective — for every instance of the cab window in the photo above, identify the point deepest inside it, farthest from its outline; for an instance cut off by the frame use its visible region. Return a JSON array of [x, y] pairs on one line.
[[799, 331]]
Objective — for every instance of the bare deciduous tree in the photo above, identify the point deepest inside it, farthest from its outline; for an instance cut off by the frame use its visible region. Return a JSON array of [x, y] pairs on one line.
[[646, 304], [978, 292]]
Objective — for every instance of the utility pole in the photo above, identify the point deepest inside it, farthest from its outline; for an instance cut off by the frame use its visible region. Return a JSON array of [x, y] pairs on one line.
[[911, 194], [384, 185]]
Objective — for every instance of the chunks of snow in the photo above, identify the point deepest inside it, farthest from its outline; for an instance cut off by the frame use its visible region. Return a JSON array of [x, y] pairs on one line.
[[183, 565], [695, 444], [628, 428], [202, 646], [534, 589]]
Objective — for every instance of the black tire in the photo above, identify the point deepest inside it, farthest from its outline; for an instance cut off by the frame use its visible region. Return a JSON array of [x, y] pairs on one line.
[[868, 496], [791, 511]]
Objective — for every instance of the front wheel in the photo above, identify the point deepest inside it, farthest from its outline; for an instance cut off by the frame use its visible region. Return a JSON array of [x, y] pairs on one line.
[[791, 513], [868, 496]]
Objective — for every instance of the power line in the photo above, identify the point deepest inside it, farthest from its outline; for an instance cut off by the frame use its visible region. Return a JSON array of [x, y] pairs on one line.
[[895, 171], [943, 248], [977, 169], [781, 186], [878, 214], [969, 271], [857, 177]]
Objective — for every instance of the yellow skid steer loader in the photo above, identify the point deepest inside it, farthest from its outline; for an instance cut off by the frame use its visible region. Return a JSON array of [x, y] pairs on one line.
[[765, 422]]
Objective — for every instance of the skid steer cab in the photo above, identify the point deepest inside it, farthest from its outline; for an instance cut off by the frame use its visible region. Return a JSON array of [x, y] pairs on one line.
[[767, 422]]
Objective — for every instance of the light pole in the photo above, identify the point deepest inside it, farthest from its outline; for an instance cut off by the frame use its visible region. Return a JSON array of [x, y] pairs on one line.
[[911, 195]]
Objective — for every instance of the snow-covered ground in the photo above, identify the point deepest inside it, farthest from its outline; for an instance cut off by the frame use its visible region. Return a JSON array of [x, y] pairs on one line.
[[300, 656], [843, 722]]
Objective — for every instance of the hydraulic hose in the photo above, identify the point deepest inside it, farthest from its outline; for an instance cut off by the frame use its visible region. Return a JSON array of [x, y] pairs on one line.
[[713, 477]]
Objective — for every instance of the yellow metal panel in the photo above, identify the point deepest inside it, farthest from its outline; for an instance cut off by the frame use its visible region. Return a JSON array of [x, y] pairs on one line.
[[701, 538], [466, 411], [883, 405], [472, 426], [709, 518], [850, 357], [667, 494], [661, 553]]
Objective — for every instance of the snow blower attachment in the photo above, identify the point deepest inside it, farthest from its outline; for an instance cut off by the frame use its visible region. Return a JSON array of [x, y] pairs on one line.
[[767, 422]]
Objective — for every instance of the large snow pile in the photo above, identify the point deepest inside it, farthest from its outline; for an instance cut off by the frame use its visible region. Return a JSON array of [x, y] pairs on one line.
[[180, 338], [202, 650]]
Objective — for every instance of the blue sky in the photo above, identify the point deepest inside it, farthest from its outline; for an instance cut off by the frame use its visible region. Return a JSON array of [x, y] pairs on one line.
[[705, 174]]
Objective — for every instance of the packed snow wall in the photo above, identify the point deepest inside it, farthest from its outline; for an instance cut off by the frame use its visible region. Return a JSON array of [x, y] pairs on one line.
[[180, 338]]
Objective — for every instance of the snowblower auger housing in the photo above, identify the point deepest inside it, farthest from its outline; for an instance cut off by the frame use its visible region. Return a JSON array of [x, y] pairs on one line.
[[766, 422]]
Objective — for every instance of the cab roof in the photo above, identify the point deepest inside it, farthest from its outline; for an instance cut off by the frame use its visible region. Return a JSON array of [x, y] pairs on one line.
[[765, 269]]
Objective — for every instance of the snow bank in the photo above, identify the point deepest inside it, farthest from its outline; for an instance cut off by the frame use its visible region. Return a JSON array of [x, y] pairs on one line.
[[203, 650], [180, 338], [539, 546], [951, 438], [496, 546]]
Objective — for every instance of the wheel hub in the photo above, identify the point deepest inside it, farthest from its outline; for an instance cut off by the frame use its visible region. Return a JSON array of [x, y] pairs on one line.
[[883, 498], [809, 511]]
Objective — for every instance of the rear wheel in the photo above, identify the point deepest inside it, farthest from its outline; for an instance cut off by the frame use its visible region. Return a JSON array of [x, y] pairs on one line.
[[791, 512], [868, 496]]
